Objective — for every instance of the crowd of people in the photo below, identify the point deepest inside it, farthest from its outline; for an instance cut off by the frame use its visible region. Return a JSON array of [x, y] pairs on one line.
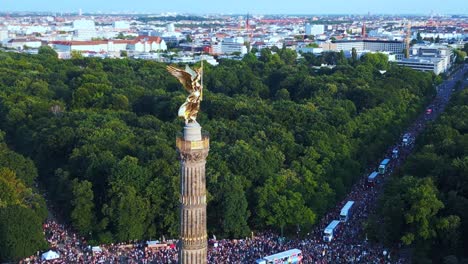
[[72, 249], [349, 244]]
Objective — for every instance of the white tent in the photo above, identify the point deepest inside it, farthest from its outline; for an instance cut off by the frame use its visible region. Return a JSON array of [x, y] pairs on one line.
[[50, 255], [96, 249], [152, 243]]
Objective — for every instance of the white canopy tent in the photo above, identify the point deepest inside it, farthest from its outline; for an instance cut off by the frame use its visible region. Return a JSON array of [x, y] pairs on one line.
[[50, 255], [96, 249]]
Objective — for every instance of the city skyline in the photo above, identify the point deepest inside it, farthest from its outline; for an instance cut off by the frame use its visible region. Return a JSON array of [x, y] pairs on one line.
[[243, 6]]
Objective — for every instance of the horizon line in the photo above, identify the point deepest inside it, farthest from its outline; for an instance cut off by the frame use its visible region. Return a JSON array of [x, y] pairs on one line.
[[127, 12]]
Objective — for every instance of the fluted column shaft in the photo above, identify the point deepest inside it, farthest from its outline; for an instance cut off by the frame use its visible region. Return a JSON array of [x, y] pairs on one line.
[[193, 235]]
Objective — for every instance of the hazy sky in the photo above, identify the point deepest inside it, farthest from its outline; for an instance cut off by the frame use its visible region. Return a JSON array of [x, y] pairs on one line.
[[244, 6]]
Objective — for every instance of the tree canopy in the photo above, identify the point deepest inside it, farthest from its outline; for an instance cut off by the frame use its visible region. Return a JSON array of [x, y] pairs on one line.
[[287, 139], [22, 209]]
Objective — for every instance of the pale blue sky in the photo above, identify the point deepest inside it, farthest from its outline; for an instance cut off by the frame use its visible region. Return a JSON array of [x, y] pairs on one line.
[[244, 6]]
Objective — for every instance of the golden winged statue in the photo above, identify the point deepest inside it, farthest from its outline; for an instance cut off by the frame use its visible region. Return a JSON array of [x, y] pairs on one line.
[[190, 79]]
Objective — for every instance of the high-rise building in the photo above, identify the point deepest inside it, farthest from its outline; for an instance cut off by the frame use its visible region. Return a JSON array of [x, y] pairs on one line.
[[314, 29], [170, 27], [3, 35], [232, 45], [84, 29]]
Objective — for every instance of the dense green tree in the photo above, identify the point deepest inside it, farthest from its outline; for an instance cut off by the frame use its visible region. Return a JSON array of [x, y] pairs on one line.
[[82, 215], [280, 206], [23, 167], [126, 212], [48, 51], [22, 210], [20, 233], [378, 60], [14, 192], [459, 56], [288, 55], [128, 171], [410, 210], [354, 57], [234, 203]]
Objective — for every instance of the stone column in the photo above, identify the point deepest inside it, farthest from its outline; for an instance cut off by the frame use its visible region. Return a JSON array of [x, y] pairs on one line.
[[193, 149]]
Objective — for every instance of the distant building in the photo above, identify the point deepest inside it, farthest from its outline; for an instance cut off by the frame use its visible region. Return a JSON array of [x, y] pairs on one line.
[[32, 29], [229, 46], [147, 44], [305, 49], [21, 43], [3, 35], [183, 59], [441, 35], [168, 37], [430, 51], [436, 65], [381, 33], [371, 45], [307, 29], [210, 59], [84, 24], [170, 27], [423, 57], [122, 25], [390, 56], [84, 29], [268, 43], [314, 29], [140, 44]]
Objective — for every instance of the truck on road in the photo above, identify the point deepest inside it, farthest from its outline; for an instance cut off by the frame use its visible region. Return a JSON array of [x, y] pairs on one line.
[[372, 178], [330, 231], [346, 211], [383, 166]]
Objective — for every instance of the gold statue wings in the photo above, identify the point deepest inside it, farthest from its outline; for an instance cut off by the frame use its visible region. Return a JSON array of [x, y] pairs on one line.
[[190, 79]]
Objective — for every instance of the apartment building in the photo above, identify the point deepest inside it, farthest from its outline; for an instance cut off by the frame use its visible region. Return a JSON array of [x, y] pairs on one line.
[[371, 45], [140, 44], [436, 65]]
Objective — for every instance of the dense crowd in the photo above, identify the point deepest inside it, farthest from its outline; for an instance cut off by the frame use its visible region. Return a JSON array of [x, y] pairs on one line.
[[349, 244], [76, 250]]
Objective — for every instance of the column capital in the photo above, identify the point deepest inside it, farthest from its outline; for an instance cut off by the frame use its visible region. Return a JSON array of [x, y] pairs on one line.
[[193, 156]]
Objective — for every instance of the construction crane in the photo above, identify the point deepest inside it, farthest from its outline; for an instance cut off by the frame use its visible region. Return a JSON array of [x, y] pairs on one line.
[[408, 38]]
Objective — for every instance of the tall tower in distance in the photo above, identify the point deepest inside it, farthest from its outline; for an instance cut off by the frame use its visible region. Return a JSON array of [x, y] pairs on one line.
[[193, 149], [363, 30]]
